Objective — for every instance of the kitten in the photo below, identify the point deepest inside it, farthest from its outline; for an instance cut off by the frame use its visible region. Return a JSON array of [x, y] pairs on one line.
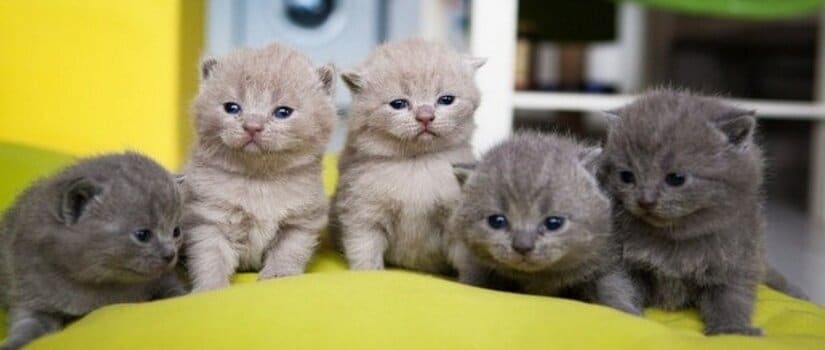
[[687, 178], [411, 117], [532, 212], [103, 231], [255, 200]]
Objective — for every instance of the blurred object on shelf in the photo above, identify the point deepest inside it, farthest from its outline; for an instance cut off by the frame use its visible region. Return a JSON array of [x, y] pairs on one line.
[[547, 68], [602, 72]]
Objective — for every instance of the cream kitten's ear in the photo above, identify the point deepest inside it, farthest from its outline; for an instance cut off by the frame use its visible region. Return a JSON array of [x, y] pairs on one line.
[[353, 80], [475, 62], [327, 75], [462, 171], [737, 125], [590, 158], [207, 66]]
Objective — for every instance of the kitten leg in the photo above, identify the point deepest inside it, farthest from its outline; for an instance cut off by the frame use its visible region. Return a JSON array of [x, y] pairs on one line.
[[294, 246], [211, 259], [469, 271], [617, 290], [364, 247], [27, 325], [726, 309]]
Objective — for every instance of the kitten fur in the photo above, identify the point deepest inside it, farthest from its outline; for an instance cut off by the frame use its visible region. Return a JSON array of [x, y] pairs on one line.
[[700, 243], [527, 179], [254, 196], [68, 244], [396, 186]]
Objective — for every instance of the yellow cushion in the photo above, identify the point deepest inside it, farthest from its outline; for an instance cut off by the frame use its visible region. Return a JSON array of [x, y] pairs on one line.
[[334, 308]]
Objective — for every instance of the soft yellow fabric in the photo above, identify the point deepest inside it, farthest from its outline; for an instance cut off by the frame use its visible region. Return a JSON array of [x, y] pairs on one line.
[[89, 76], [334, 308]]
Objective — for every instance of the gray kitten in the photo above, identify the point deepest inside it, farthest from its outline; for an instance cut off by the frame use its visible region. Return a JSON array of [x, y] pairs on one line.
[[100, 232], [411, 117], [532, 212], [254, 195], [687, 177]]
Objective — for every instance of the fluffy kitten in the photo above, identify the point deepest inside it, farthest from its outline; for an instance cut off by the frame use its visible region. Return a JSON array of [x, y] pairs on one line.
[[687, 177], [411, 117], [255, 200], [532, 212], [103, 231]]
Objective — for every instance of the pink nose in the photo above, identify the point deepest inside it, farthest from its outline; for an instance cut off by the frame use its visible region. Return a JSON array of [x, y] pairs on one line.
[[252, 128], [425, 115]]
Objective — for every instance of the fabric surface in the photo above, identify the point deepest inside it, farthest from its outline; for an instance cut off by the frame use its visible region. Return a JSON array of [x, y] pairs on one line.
[[334, 308]]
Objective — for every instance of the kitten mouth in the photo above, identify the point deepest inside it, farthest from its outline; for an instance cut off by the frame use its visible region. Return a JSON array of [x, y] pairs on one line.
[[427, 133], [655, 220], [251, 145]]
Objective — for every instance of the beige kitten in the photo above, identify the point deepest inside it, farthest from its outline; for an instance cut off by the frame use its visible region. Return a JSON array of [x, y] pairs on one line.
[[411, 117], [255, 200]]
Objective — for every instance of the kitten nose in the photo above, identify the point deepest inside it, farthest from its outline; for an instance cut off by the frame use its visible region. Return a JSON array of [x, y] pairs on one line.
[[425, 114], [169, 255], [252, 128], [645, 203], [523, 243]]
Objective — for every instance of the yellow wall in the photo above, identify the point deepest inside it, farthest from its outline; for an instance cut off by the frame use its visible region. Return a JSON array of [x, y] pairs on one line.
[[90, 76]]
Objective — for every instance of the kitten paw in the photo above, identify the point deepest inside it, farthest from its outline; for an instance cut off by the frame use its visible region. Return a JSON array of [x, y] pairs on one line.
[[743, 330], [266, 273]]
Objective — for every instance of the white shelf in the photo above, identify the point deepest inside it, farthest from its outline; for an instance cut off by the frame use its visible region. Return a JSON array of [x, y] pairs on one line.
[[565, 101]]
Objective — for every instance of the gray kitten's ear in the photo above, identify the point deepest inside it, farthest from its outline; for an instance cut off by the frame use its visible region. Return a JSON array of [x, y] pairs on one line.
[[475, 62], [76, 197], [590, 158], [353, 80], [612, 116], [207, 67], [737, 126], [462, 171], [327, 75]]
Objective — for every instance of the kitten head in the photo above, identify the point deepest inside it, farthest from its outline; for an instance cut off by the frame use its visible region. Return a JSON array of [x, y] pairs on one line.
[[532, 204], [672, 155], [264, 102], [116, 220], [412, 97]]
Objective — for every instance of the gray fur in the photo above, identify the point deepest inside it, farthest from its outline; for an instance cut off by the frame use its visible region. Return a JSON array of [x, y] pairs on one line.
[[528, 179], [255, 201], [67, 244], [700, 244], [396, 188]]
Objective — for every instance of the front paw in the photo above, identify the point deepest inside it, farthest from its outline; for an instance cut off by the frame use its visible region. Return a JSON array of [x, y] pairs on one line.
[[273, 272], [742, 330]]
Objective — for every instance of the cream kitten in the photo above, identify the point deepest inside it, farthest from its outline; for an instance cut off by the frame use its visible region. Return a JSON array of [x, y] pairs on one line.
[[255, 200], [411, 117]]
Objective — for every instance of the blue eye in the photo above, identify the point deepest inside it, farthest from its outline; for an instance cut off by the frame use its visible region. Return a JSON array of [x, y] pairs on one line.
[[142, 235], [446, 100], [399, 103], [176, 232], [232, 108], [675, 179], [553, 223], [282, 112], [627, 177], [497, 221]]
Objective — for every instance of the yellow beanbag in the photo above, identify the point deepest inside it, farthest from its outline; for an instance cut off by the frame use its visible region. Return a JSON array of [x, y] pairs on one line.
[[331, 308]]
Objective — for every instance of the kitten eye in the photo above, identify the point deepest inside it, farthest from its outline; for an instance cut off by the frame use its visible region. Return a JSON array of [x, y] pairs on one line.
[[399, 103], [142, 235], [282, 112], [176, 232], [232, 108], [497, 221], [446, 100], [675, 179], [627, 177], [553, 223]]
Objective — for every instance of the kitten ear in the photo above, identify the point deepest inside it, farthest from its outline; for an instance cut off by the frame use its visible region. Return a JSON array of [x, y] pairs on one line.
[[612, 116], [179, 178], [737, 125], [590, 158], [327, 75], [76, 197], [353, 80], [207, 66], [475, 62], [462, 171]]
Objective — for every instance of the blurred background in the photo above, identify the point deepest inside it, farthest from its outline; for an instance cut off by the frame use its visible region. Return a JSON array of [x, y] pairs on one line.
[[85, 77]]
